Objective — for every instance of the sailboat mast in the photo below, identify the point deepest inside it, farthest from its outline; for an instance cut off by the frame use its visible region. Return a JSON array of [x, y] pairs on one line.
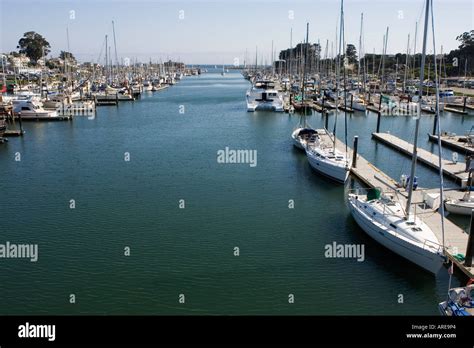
[[414, 49], [383, 59], [272, 61], [106, 61], [256, 58], [304, 69], [291, 51], [115, 44], [417, 123], [338, 72], [406, 65], [360, 50], [440, 153]]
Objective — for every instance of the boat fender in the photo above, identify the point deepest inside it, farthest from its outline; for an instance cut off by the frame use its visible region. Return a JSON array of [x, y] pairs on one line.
[[471, 281]]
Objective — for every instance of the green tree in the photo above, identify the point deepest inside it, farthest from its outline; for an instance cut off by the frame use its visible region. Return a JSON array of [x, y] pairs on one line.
[[466, 39], [67, 56], [33, 45], [351, 53]]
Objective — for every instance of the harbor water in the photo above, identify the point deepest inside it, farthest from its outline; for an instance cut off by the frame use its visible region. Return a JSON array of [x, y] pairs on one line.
[[144, 175]]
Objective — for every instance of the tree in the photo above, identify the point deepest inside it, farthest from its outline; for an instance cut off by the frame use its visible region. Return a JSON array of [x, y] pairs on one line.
[[466, 39], [67, 56], [463, 54], [33, 45], [351, 54]]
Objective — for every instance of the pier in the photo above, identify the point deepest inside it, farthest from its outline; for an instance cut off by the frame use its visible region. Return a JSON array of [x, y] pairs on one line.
[[456, 142], [455, 171], [455, 111], [455, 238]]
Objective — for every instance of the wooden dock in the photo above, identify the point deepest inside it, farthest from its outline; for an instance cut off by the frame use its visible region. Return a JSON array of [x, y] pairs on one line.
[[345, 108], [455, 171], [455, 111], [373, 109], [455, 238], [13, 133], [456, 142]]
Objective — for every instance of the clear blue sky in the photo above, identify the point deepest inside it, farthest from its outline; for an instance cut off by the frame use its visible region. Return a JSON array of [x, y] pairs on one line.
[[216, 32]]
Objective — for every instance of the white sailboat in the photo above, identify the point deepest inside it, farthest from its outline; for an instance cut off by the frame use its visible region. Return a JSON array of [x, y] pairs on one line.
[[462, 206], [326, 159], [321, 152], [384, 218], [303, 133]]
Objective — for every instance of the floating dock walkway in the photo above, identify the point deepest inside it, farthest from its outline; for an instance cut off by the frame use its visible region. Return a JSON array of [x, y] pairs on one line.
[[456, 171], [456, 142]]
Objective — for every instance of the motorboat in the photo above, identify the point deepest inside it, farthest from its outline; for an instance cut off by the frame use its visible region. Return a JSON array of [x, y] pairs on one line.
[[263, 96], [460, 302], [32, 109]]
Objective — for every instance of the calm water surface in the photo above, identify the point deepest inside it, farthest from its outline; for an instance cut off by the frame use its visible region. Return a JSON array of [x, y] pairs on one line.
[[190, 251]]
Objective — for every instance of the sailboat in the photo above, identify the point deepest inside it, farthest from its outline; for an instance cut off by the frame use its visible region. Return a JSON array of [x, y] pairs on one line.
[[322, 153], [303, 133], [464, 205], [223, 71], [384, 218]]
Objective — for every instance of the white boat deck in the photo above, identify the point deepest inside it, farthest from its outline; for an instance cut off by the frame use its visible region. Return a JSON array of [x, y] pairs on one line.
[[455, 237]]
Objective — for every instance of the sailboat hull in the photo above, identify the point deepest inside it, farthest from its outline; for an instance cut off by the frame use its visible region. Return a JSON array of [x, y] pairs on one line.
[[460, 208], [431, 262], [333, 172]]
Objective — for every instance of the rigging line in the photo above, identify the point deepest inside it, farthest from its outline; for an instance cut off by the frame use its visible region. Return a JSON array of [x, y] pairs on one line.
[[438, 121]]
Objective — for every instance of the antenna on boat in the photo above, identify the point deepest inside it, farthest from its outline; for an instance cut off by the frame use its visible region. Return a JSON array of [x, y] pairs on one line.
[[418, 116]]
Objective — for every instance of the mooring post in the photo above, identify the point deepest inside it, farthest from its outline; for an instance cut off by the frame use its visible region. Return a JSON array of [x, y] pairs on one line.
[[378, 122], [326, 119], [464, 104], [21, 125], [352, 100], [380, 102], [435, 124], [470, 243], [354, 152]]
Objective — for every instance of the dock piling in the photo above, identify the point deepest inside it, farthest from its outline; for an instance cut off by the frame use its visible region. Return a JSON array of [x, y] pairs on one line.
[[21, 125], [354, 152], [470, 243], [435, 125], [378, 123], [464, 104]]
